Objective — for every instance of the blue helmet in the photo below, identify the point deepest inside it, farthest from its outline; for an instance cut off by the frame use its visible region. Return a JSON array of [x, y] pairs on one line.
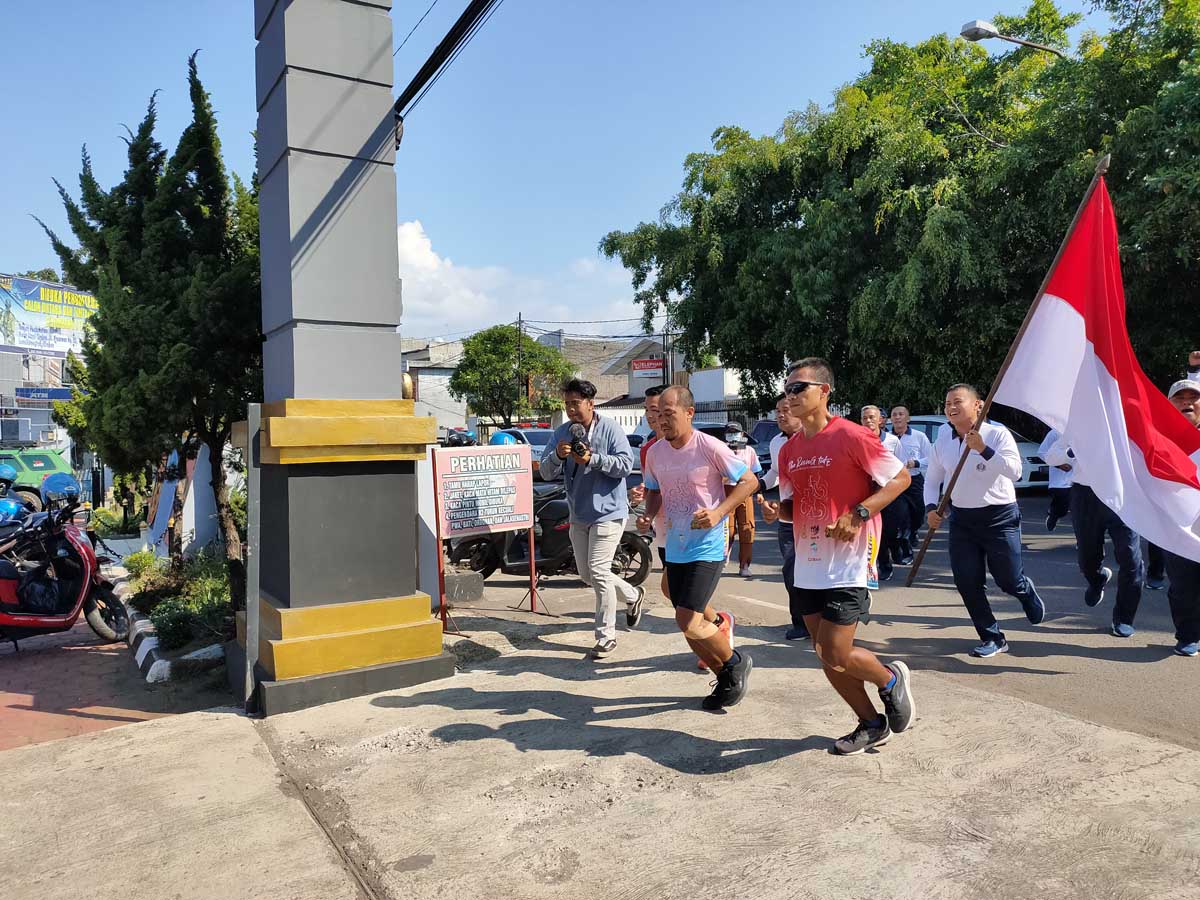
[[12, 509], [501, 438], [60, 489]]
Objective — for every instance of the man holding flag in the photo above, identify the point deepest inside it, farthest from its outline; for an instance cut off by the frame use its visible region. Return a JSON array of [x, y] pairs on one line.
[[1072, 365]]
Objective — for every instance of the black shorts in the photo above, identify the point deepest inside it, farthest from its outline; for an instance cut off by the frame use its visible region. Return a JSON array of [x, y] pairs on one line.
[[841, 606], [662, 555], [692, 584]]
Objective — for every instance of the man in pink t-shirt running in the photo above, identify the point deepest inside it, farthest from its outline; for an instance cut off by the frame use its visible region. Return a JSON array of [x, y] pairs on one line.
[[685, 477], [834, 478]]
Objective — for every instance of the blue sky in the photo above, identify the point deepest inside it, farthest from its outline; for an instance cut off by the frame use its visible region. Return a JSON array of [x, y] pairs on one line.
[[561, 121]]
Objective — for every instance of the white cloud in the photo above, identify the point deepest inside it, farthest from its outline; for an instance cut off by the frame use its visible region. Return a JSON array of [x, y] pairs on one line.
[[444, 299]]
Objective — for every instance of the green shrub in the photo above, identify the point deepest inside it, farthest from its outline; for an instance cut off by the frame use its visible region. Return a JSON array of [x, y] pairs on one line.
[[174, 622], [191, 598], [138, 564]]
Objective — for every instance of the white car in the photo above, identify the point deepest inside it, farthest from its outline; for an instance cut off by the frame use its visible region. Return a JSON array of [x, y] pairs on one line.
[[1036, 474]]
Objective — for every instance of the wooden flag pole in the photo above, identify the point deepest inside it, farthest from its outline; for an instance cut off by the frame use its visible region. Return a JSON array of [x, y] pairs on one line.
[[1101, 170]]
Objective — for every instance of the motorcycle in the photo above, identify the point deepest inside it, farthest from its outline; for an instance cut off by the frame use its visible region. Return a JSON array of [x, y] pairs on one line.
[[509, 551], [49, 573]]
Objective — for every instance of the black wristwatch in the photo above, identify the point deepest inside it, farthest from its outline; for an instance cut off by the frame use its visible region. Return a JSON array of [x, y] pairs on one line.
[[862, 512]]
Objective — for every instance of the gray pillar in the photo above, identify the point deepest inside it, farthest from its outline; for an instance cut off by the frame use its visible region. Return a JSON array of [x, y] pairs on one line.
[[326, 156], [337, 556]]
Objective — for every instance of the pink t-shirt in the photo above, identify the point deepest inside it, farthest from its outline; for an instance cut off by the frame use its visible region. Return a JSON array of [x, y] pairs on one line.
[[690, 479], [826, 476]]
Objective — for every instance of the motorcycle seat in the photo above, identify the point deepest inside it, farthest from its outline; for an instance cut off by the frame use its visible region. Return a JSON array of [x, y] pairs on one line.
[[8, 529]]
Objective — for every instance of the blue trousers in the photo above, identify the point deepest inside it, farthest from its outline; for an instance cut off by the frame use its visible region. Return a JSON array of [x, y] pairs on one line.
[[1092, 521], [787, 549], [982, 540], [1184, 597]]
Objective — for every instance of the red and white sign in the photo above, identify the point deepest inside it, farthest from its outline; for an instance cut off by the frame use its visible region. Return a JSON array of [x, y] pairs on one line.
[[480, 490], [647, 366]]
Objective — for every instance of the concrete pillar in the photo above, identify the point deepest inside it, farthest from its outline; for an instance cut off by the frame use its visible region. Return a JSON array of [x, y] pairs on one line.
[[340, 612]]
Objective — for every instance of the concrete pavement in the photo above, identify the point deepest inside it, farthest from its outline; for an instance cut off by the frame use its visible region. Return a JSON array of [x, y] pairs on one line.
[[189, 806], [540, 773]]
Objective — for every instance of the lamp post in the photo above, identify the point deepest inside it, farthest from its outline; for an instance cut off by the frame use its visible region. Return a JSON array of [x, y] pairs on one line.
[[980, 30]]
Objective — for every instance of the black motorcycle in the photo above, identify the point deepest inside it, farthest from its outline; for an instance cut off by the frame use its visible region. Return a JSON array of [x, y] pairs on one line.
[[509, 551]]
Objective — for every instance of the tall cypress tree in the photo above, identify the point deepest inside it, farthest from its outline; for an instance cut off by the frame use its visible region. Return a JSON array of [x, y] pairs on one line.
[[174, 352]]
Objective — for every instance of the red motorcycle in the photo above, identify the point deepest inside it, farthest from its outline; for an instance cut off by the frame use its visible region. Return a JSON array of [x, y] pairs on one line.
[[49, 572]]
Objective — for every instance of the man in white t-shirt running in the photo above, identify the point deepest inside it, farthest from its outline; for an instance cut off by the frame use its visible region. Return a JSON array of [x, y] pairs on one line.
[[788, 426], [834, 479], [685, 476]]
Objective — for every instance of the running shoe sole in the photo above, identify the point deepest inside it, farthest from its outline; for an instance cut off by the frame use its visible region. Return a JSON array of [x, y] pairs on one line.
[[878, 743], [1002, 649]]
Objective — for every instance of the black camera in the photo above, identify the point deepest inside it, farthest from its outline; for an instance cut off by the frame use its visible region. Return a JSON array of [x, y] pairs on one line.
[[579, 444]]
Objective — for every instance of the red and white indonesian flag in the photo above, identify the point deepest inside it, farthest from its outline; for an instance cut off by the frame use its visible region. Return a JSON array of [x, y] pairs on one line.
[[1076, 371]]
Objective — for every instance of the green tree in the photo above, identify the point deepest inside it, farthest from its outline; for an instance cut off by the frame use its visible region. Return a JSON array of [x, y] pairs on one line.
[[173, 353], [903, 231], [504, 374], [41, 275]]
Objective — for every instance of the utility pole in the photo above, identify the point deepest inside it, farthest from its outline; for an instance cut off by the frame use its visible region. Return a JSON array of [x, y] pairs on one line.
[[520, 333]]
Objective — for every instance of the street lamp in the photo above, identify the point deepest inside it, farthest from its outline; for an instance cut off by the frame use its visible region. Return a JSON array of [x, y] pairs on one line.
[[979, 30]]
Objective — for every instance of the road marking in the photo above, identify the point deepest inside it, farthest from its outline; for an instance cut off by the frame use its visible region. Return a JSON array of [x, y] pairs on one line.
[[757, 602]]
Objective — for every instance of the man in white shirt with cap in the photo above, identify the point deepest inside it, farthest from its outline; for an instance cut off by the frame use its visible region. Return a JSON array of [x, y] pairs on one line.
[[916, 449], [985, 521]]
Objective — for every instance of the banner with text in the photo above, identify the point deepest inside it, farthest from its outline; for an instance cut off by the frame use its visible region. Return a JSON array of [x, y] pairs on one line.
[[42, 317], [481, 490]]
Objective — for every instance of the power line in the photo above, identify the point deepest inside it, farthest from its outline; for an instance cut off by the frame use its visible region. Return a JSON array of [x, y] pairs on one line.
[[589, 321], [414, 28], [461, 47], [459, 35]]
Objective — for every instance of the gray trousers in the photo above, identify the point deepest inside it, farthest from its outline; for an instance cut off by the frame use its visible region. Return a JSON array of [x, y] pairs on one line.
[[595, 546]]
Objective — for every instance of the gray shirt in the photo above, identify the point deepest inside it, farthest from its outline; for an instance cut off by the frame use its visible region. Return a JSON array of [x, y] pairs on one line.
[[595, 492]]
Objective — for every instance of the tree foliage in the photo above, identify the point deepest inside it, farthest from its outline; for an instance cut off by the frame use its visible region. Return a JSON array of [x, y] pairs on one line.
[[505, 374], [172, 354], [903, 231], [41, 275]]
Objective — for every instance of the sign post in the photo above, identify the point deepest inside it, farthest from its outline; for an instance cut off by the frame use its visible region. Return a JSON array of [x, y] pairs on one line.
[[482, 490]]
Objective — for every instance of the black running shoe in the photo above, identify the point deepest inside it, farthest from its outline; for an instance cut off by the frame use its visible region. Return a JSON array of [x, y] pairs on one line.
[[898, 702], [1094, 595], [863, 738], [635, 610], [732, 682]]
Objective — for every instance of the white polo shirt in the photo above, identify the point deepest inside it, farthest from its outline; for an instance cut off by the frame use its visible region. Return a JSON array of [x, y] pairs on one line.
[[915, 446], [771, 478], [986, 479], [1055, 451]]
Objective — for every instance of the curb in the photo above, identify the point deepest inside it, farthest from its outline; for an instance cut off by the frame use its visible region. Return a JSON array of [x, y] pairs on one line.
[[152, 662]]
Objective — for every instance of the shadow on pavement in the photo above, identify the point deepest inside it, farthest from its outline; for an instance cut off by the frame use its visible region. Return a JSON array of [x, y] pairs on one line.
[[581, 722]]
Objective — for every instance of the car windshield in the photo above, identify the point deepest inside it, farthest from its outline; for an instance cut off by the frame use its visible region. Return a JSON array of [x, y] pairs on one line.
[[538, 438], [764, 431]]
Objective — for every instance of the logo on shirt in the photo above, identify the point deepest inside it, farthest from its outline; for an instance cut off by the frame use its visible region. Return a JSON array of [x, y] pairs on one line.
[[810, 462], [980, 467], [814, 501], [814, 531]]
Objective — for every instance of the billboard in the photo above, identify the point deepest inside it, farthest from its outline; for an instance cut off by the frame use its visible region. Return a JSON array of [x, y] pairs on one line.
[[647, 368], [42, 317]]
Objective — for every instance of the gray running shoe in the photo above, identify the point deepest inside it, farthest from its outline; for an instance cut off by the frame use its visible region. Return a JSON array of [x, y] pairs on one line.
[[898, 702], [863, 738]]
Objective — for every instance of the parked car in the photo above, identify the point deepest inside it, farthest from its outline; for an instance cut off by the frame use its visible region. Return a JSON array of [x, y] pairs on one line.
[[1036, 472], [33, 465], [538, 437], [763, 432]]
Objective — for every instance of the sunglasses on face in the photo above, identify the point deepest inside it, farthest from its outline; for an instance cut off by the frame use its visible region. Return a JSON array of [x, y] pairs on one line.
[[796, 388]]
